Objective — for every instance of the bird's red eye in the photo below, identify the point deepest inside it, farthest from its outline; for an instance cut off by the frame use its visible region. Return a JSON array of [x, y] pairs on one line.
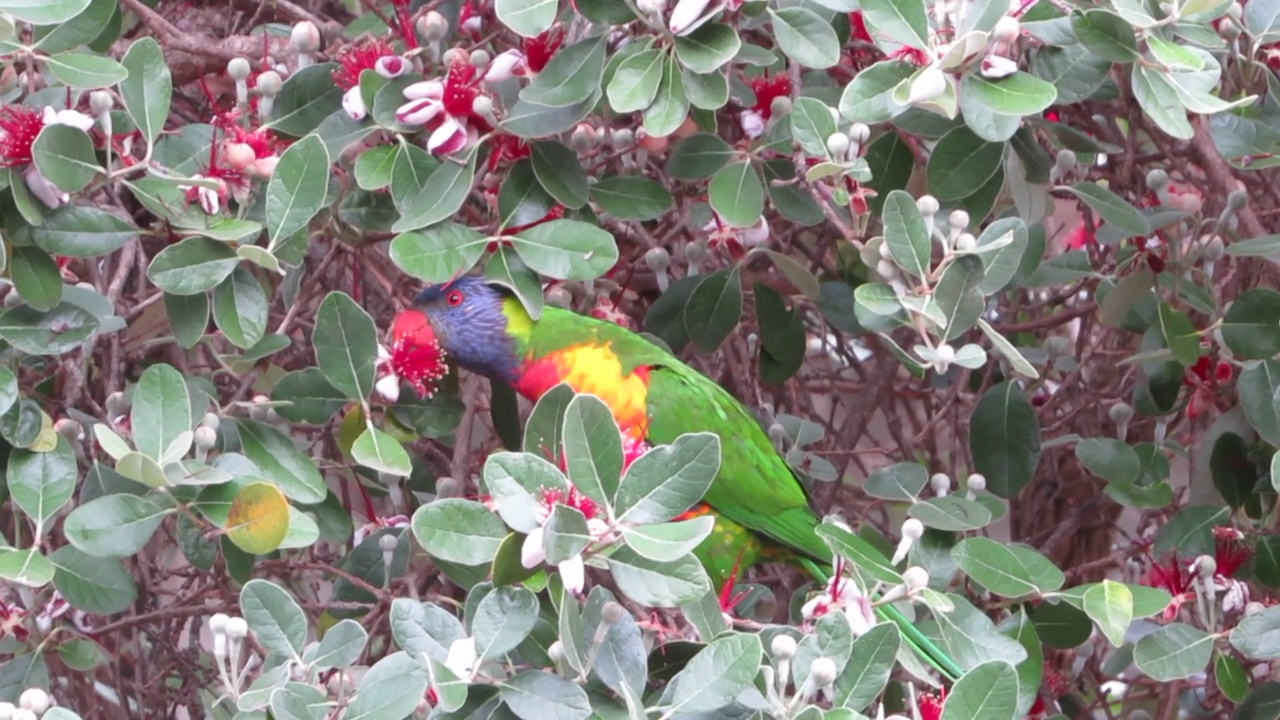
[[454, 298]]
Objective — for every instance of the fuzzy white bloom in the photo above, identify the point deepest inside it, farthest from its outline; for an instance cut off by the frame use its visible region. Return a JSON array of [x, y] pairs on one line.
[[995, 67], [462, 658], [753, 123], [74, 118], [930, 84]]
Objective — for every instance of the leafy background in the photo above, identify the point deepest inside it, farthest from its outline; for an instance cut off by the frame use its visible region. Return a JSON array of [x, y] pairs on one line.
[[995, 277]]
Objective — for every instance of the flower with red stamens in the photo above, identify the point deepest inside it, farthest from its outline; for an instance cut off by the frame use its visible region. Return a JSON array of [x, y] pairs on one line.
[[12, 622], [1229, 551], [767, 89], [533, 552], [506, 148], [447, 108], [19, 126], [469, 19], [416, 357], [252, 151], [858, 23], [1206, 378], [373, 54], [912, 55], [1173, 577], [930, 704], [536, 52]]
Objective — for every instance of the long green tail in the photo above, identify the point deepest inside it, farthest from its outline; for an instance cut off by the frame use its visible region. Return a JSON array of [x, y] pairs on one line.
[[921, 645]]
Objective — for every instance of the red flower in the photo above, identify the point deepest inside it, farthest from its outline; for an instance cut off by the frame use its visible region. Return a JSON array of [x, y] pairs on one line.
[[572, 498], [447, 107], [1205, 378], [1229, 551], [416, 357], [859, 25], [930, 704], [539, 50], [355, 59], [1175, 578], [767, 89], [507, 148], [11, 622], [20, 125], [915, 56]]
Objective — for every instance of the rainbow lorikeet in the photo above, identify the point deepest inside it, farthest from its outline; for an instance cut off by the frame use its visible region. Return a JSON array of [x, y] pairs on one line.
[[762, 511]]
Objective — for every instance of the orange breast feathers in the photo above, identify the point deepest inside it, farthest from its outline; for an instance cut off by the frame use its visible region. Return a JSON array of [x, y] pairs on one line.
[[594, 370]]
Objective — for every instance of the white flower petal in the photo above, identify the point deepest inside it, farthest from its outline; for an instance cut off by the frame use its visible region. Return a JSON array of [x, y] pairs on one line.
[[531, 553], [47, 192], [686, 12], [928, 85], [573, 573], [419, 112], [353, 103], [998, 66], [75, 119], [752, 124], [391, 66], [388, 387], [462, 657], [504, 66], [425, 90], [446, 137]]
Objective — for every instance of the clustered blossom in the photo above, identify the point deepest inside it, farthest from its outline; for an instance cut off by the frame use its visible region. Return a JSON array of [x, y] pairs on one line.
[[19, 127], [447, 108], [767, 89], [371, 54], [842, 593], [735, 240], [245, 153], [529, 60], [415, 357], [373, 526], [1177, 575]]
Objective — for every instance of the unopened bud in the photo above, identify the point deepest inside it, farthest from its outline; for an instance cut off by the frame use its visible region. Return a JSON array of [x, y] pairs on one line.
[[35, 700], [453, 55], [838, 145], [482, 106], [966, 242], [558, 296], [1056, 346], [480, 59], [782, 647], [1065, 160], [941, 483], [1006, 30], [927, 205], [612, 613], [1237, 199], [237, 628], [622, 138], [447, 487], [916, 578], [1157, 180], [658, 259], [860, 133], [946, 353], [584, 137], [218, 623], [556, 652], [24, 714], [7, 709], [305, 37], [959, 219], [67, 428], [912, 529], [205, 438], [239, 69], [211, 420], [1229, 31], [269, 83], [780, 106], [116, 405], [823, 672], [1121, 413], [433, 26], [1214, 249], [777, 433], [977, 482], [101, 102], [1206, 566]]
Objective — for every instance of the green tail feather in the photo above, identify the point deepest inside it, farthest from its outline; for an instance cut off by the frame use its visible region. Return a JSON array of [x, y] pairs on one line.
[[921, 645]]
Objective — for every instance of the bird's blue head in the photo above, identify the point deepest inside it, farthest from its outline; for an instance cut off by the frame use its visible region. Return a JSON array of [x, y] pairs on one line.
[[470, 320]]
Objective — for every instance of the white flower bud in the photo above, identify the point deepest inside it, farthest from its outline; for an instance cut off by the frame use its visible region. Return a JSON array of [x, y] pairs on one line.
[[1157, 180], [67, 428], [447, 487], [237, 628], [1006, 30], [782, 647], [959, 219], [966, 242], [658, 259], [388, 543], [482, 106], [912, 529], [24, 714], [269, 82], [1065, 160], [7, 709], [928, 85], [941, 484], [560, 297], [887, 269], [305, 37], [838, 145], [433, 26], [652, 7], [205, 438], [916, 578], [822, 671], [218, 624], [1213, 249], [101, 102], [623, 138], [1206, 566], [239, 69], [211, 420], [946, 353], [35, 700], [480, 59], [1056, 346], [584, 137], [1237, 199], [977, 482], [928, 205], [780, 106], [860, 133], [453, 55], [1121, 412], [556, 652]]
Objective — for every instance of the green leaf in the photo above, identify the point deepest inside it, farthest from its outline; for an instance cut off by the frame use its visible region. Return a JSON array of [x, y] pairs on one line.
[[906, 234], [1158, 97], [566, 249], [869, 98], [297, 189], [713, 309], [503, 619], [42, 482], [308, 97], [8, 389], [1112, 208], [314, 399], [458, 531], [438, 253], [1173, 652], [161, 411], [276, 619], [961, 163], [36, 277], [82, 231], [571, 77], [281, 462], [716, 675], [737, 194], [188, 317], [192, 266], [64, 155], [1106, 35], [958, 297], [1012, 571], [1110, 459], [527, 17], [85, 72], [805, 37], [1110, 605], [148, 88], [1179, 335], [668, 542], [346, 344], [1230, 677], [656, 584], [632, 198], [561, 174], [113, 525], [91, 584], [377, 450], [708, 48], [592, 448], [988, 691], [1016, 95], [44, 12], [951, 513], [240, 308], [1251, 326], [669, 479], [440, 196], [533, 120], [901, 22], [1004, 439], [870, 664], [811, 125], [698, 157], [901, 482], [26, 567], [424, 627], [392, 688], [670, 106], [634, 85], [538, 695]]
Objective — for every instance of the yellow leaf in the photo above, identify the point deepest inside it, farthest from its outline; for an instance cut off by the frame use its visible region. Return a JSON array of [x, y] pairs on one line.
[[47, 440], [259, 518], [350, 428]]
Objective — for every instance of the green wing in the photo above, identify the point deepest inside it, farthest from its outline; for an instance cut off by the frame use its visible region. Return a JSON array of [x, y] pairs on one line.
[[755, 488]]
